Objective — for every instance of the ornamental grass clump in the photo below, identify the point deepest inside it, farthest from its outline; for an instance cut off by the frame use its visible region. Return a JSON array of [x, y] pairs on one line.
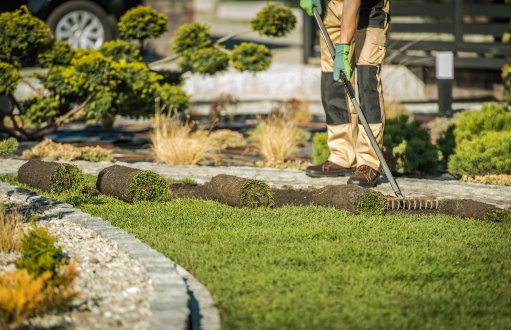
[[132, 185], [49, 150], [274, 20], [176, 143], [10, 230], [7, 146], [51, 177], [276, 139]]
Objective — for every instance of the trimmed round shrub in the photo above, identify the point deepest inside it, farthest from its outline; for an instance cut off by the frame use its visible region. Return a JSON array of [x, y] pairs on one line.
[[142, 23], [251, 57], [190, 38], [9, 77], [120, 50], [488, 154], [172, 98], [23, 36], [256, 193], [411, 147], [39, 111], [59, 54], [491, 117], [274, 20], [209, 61], [148, 186]]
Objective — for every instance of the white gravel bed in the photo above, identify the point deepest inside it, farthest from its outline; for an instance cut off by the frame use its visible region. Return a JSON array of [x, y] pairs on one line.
[[115, 289]]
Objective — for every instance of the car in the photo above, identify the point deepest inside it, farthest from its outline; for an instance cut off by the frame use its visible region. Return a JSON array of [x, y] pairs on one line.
[[82, 23]]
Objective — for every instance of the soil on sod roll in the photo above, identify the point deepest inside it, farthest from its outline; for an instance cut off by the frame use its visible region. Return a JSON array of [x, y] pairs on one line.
[[468, 208], [130, 185], [288, 196], [351, 198], [50, 176], [187, 190], [235, 191]]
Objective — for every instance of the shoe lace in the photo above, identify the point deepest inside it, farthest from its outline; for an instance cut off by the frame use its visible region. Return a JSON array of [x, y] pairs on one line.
[[367, 171]]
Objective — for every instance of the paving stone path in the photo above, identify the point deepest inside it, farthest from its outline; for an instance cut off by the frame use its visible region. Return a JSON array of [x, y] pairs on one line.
[[411, 187]]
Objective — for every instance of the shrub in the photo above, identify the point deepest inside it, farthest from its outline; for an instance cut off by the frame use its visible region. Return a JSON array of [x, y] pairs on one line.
[[274, 20], [208, 61], [39, 253], [10, 76], [148, 186], [60, 53], [10, 230], [7, 146], [141, 23], [120, 50], [491, 117], [20, 296], [251, 57], [176, 144], [320, 150], [410, 145], [23, 36], [190, 38], [276, 139], [49, 150], [487, 154], [172, 98], [256, 193]]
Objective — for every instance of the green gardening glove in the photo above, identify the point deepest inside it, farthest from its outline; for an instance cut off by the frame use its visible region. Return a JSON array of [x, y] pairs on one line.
[[342, 61], [307, 5]]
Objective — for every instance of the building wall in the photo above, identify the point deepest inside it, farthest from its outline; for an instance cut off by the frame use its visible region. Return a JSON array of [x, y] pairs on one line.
[[178, 12]]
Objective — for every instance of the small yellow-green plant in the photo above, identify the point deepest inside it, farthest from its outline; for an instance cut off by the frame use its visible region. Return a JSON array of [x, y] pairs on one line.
[[8, 145]]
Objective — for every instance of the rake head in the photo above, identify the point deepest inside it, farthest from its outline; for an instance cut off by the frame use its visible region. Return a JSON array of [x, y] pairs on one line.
[[409, 204]]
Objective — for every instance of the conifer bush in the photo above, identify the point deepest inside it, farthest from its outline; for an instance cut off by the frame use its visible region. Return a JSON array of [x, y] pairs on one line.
[[119, 50], [60, 53], [274, 20], [10, 76], [141, 23], [249, 56]]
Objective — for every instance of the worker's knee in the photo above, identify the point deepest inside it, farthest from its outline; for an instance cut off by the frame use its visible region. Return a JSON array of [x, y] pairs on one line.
[[334, 100]]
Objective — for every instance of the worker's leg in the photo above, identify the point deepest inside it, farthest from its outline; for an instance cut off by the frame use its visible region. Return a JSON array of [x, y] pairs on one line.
[[341, 129], [370, 51]]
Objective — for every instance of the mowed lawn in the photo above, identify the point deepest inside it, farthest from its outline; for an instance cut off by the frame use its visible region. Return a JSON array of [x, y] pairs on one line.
[[320, 268]]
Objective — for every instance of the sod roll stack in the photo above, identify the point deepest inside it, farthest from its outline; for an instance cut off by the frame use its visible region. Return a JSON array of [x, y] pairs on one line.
[[50, 176], [131, 185], [235, 191], [351, 198], [468, 208]]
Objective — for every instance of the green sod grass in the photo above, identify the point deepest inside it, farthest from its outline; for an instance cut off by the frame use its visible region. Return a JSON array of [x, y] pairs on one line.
[[320, 268]]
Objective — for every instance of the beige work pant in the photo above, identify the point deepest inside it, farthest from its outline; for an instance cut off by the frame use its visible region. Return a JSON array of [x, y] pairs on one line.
[[348, 143]]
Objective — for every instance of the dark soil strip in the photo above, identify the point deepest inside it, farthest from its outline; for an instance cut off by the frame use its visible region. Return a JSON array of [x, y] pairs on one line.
[[286, 196], [116, 180], [186, 190], [50, 176], [468, 208]]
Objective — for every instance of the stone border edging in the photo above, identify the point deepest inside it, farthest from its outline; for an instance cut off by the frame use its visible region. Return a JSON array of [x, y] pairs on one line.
[[174, 287]]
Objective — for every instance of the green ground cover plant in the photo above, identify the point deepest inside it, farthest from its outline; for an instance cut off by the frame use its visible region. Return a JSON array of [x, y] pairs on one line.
[[321, 268]]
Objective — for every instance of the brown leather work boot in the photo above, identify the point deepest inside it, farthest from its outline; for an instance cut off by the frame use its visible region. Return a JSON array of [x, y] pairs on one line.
[[365, 176], [327, 169]]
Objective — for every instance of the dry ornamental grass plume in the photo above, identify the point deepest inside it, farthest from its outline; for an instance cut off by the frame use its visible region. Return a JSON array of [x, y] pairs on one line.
[[176, 144], [10, 230], [276, 139], [49, 150]]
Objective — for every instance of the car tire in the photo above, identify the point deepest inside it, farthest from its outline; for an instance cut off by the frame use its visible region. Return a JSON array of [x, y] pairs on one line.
[[101, 26]]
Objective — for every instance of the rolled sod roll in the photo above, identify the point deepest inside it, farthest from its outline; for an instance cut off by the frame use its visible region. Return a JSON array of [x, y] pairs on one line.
[[50, 176], [130, 184], [468, 208], [235, 191], [351, 198]]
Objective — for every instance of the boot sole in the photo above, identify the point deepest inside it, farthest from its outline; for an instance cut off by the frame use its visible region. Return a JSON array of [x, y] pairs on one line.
[[366, 185], [330, 174]]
